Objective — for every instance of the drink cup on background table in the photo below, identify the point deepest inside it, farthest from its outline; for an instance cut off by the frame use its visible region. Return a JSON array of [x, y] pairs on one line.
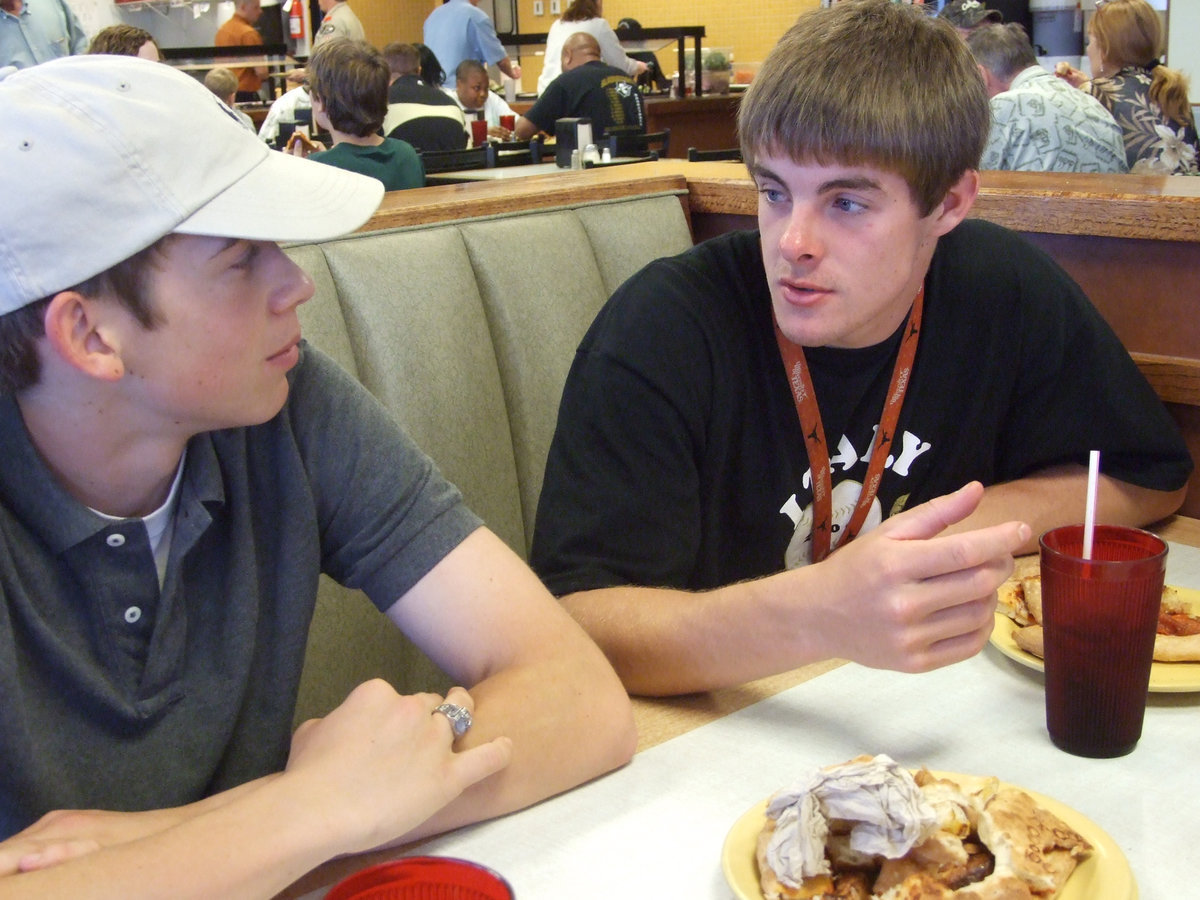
[[423, 878], [508, 123], [1100, 617], [478, 132]]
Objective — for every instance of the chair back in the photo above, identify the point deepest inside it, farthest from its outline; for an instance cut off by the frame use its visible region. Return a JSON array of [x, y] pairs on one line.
[[633, 143], [733, 154], [459, 160], [519, 153]]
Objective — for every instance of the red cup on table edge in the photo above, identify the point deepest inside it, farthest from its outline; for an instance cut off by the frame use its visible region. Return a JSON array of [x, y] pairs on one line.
[[423, 878], [479, 133], [508, 123], [1100, 617]]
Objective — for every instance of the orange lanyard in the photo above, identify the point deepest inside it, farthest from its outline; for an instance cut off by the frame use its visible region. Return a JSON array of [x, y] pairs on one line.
[[801, 384]]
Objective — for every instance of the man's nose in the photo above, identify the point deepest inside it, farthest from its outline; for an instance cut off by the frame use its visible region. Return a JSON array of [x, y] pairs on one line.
[[801, 236]]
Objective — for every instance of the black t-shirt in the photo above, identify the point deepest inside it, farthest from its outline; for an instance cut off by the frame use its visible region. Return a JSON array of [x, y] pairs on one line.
[[678, 459], [595, 91]]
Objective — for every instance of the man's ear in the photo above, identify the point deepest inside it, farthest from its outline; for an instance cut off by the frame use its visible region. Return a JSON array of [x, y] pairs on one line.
[[958, 201], [78, 333]]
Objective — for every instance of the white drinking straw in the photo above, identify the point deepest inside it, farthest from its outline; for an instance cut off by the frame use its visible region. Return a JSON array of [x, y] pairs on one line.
[[1089, 514]]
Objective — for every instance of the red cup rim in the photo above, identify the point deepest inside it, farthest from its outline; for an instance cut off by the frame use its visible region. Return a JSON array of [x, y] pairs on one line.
[[381, 874], [1147, 536]]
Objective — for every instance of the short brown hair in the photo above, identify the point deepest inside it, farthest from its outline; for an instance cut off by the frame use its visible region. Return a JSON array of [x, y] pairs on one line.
[[581, 11], [870, 82], [402, 59], [21, 329], [120, 40], [350, 79]]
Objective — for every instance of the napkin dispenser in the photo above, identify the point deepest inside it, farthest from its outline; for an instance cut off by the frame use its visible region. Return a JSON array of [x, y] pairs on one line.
[[570, 134]]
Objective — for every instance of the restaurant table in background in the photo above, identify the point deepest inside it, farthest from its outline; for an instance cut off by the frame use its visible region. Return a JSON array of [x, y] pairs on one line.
[[501, 173], [656, 828]]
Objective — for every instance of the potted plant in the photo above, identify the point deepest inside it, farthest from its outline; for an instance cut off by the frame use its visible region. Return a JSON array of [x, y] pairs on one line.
[[717, 69]]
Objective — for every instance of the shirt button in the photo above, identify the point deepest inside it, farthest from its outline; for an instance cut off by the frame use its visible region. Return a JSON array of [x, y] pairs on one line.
[[115, 540], [132, 614]]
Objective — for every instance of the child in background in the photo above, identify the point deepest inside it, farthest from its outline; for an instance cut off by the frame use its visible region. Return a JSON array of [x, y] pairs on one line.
[[222, 82], [348, 82]]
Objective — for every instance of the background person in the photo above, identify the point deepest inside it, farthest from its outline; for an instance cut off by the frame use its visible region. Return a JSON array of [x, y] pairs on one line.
[[1039, 122], [34, 31], [348, 84], [179, 467], [339, 21], [1148, 100], [459, 30], [239, 31], [587, 16], [587, 88], [858, 366], [419, 113], [473, 95], [125, 40], [967, 15], [223, 83]]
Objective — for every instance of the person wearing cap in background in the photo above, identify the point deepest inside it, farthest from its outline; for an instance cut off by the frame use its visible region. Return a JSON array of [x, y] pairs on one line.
[[967, 15], [34, 31], [179, 467], [1039, 122], [473, 95], [815, 440], [239, 31], [458, 30]]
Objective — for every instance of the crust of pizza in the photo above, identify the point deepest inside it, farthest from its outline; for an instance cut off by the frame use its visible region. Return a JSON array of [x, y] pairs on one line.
[[1021, 600]]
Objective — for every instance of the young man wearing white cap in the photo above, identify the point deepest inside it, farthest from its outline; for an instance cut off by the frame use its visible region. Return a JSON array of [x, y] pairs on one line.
[[178, 469]]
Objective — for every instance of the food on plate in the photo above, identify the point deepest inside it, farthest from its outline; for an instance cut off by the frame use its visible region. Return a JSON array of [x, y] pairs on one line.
[[868, 828], [1178, 639]]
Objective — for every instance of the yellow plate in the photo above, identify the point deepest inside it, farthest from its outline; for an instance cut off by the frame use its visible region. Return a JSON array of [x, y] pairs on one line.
[[1165, 677], [1105, 875]]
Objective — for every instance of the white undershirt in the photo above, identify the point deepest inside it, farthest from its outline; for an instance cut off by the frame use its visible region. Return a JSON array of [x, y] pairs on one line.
[[158, 523]]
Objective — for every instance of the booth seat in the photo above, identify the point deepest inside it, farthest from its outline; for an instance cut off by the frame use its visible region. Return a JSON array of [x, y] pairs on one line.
[[465, 331]]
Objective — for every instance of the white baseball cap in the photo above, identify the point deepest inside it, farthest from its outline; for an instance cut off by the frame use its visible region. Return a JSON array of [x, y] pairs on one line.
[[100, 156]]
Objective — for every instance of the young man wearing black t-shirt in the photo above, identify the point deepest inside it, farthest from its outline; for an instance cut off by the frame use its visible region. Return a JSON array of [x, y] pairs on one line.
[[867, 365]]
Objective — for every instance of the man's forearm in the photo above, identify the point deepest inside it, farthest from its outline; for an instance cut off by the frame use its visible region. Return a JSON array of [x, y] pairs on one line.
[[1058, 496]]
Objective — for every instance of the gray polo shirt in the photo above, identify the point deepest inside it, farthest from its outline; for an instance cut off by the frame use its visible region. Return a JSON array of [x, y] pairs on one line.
[[117, 695]]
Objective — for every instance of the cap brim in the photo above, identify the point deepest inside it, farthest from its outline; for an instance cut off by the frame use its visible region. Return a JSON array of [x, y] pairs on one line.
[[286, 198]]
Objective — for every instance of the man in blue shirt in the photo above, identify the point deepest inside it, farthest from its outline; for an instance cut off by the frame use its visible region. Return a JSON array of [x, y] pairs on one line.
[[31, 33], [459, 30]]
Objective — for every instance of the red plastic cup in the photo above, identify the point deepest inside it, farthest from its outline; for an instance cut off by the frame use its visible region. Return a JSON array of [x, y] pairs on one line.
[[508, 122], [478, 132], [1100, 617], [423, 878]]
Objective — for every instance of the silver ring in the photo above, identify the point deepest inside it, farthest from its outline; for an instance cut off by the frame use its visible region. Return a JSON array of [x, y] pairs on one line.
[[460, 718]]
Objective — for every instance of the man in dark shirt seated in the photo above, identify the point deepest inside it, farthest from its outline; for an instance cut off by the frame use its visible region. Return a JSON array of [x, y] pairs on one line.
[[587, 88], [419, 113], [823, 438]]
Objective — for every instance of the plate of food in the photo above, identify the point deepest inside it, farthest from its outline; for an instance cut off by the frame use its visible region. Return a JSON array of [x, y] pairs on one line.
[[1176, 667], [1031, 845]]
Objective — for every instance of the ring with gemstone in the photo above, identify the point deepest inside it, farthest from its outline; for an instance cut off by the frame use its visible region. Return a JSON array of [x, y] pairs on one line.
[[459, 716]]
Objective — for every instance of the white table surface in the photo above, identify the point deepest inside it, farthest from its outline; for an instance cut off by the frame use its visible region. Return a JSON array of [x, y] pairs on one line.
[[655, 828]]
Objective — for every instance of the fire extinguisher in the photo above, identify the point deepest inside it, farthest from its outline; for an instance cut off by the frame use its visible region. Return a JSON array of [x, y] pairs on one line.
[[296, 20]]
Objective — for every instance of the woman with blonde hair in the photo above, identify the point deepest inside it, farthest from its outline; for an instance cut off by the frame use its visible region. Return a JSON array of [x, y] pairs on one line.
[[1148, 100], [584, 15]]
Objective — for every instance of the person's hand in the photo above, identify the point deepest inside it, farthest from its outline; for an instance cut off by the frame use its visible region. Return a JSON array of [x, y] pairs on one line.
[[1070, 74], [500, 133], [516, 71], [300, 144], [912, 599], [67, 834], [382, 763], [642, 68]]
